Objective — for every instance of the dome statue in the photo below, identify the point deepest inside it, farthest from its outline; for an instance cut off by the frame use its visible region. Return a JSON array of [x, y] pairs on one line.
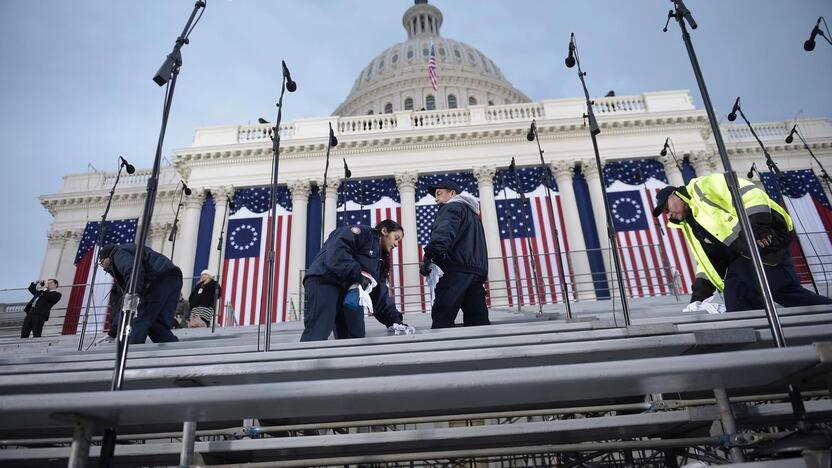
[[397, 79]]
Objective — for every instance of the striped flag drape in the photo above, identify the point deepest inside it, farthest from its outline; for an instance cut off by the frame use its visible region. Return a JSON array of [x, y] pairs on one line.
[[115, 232], [245, 268], [652, 255]]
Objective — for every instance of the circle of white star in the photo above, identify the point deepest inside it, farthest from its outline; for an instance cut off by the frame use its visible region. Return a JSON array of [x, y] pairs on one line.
[[233, 239], [632, 219]]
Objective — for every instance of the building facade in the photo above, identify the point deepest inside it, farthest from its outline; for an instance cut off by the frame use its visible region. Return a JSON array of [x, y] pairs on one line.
[[471, 128]]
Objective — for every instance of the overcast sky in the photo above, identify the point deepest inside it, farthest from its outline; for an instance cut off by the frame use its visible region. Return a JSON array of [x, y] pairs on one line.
[[76, 89]]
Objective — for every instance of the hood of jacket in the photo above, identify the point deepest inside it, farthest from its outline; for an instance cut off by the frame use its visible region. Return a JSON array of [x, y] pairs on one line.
[[467, 200]]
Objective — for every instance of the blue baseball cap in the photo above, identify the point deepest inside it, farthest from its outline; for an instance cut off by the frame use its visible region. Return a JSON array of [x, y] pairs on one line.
[[661, 199]]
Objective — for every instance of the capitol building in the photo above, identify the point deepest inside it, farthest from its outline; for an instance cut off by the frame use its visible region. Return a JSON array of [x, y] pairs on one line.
[[398, 133]]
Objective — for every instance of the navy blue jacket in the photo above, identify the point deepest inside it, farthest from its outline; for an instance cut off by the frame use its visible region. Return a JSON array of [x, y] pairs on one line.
[[347, 252], [153, 266], [457, 238]]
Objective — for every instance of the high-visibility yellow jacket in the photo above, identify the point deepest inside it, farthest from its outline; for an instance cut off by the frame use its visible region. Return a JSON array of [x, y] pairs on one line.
[[711, 206]]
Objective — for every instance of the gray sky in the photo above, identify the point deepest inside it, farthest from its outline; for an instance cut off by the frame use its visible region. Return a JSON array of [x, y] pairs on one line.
[[76, 82]]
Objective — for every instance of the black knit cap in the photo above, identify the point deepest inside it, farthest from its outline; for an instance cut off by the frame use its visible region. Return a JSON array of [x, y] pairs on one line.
[[106, 251]]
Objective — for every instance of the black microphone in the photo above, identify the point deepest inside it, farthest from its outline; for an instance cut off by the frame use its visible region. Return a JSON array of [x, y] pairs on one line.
[[733, 115], [185, 188], [664, 150], [130, 168], [570, 59], [530, 135], [347, 171], [172, 233], [750, 174], [333, 142], [809, 45], [262, 120], [291, 86], [512, 167], [680, 5], [790, 138]]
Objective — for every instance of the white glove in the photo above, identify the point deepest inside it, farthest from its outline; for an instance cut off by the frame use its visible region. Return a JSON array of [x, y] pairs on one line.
[[707, 306], [435, 274], [400, 329]]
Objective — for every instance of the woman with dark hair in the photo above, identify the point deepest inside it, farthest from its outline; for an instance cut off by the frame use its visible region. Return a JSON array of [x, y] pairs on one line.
[[351, 255]]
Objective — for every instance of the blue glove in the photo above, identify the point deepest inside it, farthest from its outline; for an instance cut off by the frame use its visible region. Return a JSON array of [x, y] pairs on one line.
[[351, 303]]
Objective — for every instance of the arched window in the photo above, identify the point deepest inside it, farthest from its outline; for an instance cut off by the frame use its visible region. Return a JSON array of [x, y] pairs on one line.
[[370, 112], [430, 102], [472, 101], [388, 108], [408, 104], [490, 102], [451, 101]]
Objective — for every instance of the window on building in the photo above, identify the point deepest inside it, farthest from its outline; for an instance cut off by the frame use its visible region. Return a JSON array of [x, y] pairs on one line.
[[388, 108], [408, 104], [425, 52], [370, 112], [395, 58], [410, 54], [430, 102], [490, 102], [472, 101], [458, 53], [451, 101]]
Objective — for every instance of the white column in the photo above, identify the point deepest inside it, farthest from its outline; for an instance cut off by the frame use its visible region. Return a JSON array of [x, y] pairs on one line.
[[564, 172], [596, 196], [300, 190], [488, 208], [156, 236], [406, 182], [188, 230], [674, 175], [331, 208], [55, 243], [64, 273], [221, 196], [703, 163]]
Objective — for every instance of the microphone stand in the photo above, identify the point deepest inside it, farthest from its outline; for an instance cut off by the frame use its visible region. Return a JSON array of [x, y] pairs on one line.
[[513, 247], [547, 181], [823, 175], [658, 226], [681, 13], [167, 73], [217, 303], [100, 240], [611, 234], [778, 175], [536, 288], [324, 187], [173, 230], [347, 174], [273, 216]]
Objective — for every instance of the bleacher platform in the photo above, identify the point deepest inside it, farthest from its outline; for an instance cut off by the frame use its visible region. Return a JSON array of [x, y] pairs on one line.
[[529, 390]]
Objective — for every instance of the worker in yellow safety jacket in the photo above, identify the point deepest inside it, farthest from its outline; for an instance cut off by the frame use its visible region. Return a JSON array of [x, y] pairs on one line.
[[704, 211]]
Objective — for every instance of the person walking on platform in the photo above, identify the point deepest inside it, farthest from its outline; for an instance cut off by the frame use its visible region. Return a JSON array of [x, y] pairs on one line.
[[351, 255], [158, 288], [44, 296], [202, 299], [457, 247], [704, 211]]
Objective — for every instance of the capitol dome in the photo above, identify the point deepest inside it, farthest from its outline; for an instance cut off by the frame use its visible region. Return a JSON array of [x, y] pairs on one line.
[[397, 79]]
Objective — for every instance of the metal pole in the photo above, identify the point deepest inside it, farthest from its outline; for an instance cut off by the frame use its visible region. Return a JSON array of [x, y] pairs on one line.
[[175, 223], [219, 266], [729, 425], [665, 260], [547, 181], [80, 450], [100, 240], [680, 14], [611, 235], [186, 457], [513, 247], [537, 280]]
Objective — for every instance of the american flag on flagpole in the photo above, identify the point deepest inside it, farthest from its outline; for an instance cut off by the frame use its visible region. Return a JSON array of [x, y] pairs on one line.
[[245, 269], [527, 238], [432, 69], [115, 232], [368, 203], [646, 249]]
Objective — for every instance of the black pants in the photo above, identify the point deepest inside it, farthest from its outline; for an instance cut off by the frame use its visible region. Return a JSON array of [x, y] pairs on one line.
[[32, 324], [323, 311], [157, 311], [457, 290], [741, 291]]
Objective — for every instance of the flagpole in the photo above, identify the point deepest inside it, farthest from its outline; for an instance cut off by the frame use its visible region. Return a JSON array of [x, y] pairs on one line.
[[511, 243]]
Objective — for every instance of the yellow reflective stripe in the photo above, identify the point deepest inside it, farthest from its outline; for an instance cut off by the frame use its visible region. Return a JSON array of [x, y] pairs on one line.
[[706, 200], [746, 189]]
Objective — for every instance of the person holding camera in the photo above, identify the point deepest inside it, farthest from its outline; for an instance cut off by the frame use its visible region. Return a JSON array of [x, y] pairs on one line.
[[44, 296]]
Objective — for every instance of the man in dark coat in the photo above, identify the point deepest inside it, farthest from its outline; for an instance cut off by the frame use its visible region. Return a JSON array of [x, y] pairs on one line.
[[158, 288], [39, 307], [457, 246]]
